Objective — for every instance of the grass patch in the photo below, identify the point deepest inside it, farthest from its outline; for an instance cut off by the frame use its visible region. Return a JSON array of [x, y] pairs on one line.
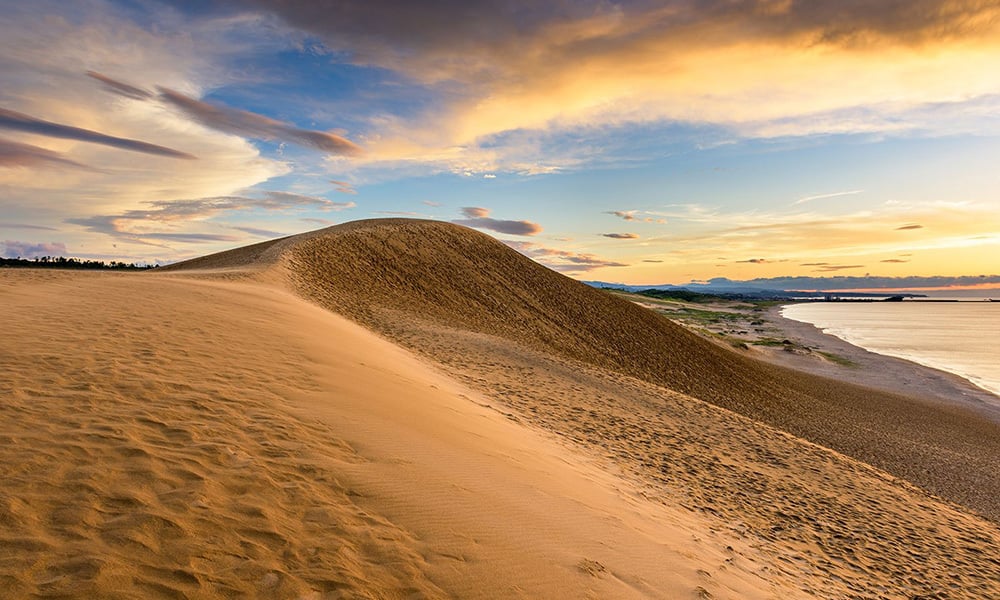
[[770, 341], [838, 359], [706, 317]]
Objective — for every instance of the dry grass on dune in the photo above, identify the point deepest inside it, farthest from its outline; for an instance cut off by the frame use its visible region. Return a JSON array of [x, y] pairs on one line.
[[384, 273]]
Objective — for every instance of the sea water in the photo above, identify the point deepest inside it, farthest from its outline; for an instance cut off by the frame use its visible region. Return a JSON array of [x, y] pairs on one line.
[[959, 337]]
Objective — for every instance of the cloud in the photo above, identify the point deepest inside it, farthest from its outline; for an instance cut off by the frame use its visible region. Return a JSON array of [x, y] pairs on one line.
[[397, 213], [145, 226], [894, 260], [343, 187], [431, 203], [868, 234], [825, 196], [909, 227], [852, 282], [479, 218], [650, 260], [26, 226], [273, 200], [317, 221], [826, 268], [16, 154], [245, 123], [562, 260], [621, 236], [628, 215], [757, 68], [16, 121], [265, 233], [756, 261], [631, 215], [14, 249], [118, 87]]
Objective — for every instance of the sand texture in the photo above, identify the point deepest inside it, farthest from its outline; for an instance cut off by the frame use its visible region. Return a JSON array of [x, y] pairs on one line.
[[476, 426]]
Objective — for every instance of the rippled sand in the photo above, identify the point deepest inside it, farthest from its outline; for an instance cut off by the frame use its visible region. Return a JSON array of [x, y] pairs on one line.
[[211, 434]]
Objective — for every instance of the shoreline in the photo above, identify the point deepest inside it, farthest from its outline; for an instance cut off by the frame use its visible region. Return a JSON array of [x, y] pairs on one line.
[[874, 370]]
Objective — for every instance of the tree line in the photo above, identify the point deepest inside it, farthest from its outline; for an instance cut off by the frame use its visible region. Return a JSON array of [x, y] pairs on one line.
[[62, 262]]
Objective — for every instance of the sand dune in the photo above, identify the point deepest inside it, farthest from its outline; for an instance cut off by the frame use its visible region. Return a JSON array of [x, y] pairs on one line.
[[202, 431], [172, 437], [391, 274]]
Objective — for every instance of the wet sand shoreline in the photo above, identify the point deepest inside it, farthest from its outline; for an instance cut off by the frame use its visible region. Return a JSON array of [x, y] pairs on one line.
[[875, 370]]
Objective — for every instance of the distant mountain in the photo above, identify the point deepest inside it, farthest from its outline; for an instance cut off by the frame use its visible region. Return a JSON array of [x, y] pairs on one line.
[[739, 289]]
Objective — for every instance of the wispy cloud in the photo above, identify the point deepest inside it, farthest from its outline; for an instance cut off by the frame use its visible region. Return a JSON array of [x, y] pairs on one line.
[[16, 121], [264, 233], [9, 225], [825, 196], [343, 187], [317, 221], [236, 121], [118, 87], [857, 282], [242, 122], [635, 215], [909, 227], [397, 213], [16, 154], [621, 236], [562, 260], [828, 268], [147, 226], [479, 218]]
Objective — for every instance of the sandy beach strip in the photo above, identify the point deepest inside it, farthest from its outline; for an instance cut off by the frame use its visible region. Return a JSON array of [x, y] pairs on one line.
[[875, 370]]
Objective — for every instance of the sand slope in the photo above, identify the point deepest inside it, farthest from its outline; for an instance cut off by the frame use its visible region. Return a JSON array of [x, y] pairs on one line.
[[171, 437], [393, 274], [203, 432]]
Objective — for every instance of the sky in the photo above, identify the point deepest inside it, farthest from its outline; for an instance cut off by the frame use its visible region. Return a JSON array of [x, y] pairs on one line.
[[633, 142]]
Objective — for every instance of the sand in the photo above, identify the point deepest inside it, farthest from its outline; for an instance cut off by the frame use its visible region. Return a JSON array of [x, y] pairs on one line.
[[176, 437], [211, 433], [878, 370]]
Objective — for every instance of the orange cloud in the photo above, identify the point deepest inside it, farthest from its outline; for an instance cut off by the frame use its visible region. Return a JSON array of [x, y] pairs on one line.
[[761, 68]]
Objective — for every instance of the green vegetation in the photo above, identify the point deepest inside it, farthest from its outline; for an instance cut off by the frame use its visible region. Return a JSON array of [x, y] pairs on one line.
[[703, 317], [770, 341], [683, 295], [61, 262], [836, 358]]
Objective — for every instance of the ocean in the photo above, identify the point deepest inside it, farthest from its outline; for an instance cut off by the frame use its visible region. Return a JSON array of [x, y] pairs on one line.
[[959, 337]]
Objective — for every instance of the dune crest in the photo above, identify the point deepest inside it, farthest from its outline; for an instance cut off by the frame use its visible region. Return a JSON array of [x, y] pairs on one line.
[[204, 431]]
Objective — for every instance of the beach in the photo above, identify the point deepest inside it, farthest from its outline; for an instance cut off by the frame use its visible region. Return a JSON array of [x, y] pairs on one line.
[[312, 418], [878, 370]]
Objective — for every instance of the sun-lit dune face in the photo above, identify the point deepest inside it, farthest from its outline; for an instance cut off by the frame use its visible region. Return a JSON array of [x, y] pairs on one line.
[[233, 437], [439, 288]]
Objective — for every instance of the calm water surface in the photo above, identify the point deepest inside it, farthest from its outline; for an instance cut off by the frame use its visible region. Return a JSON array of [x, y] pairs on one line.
[[958, 337]]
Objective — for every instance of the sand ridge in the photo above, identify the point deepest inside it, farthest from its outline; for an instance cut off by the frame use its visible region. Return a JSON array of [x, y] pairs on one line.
[[390, 273], [206, 433]]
